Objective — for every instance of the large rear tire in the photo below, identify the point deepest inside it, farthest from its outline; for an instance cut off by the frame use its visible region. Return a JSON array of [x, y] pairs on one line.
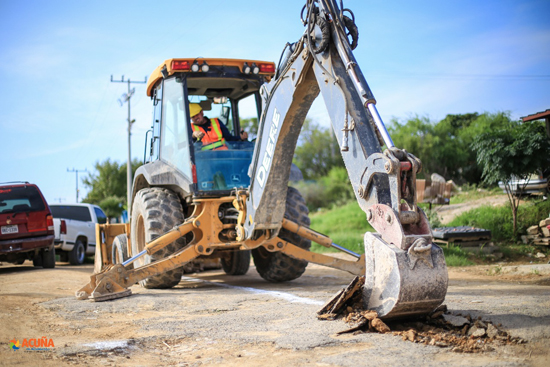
[[156, 211], [237, 263], [276, 266]]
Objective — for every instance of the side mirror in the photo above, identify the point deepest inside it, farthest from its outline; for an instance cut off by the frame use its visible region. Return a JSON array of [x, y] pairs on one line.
[[225, 112]]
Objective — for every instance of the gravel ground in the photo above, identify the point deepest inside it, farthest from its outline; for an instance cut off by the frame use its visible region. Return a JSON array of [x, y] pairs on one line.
[[214, 319]]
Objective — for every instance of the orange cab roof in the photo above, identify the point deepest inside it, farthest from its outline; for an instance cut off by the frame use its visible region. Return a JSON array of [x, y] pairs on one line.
[[156, 75]]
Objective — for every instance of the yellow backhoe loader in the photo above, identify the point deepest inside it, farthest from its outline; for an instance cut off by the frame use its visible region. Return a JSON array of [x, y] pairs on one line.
[[191, 203]]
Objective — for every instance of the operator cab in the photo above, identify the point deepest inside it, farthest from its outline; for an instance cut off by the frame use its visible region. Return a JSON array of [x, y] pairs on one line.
[[225, 89]]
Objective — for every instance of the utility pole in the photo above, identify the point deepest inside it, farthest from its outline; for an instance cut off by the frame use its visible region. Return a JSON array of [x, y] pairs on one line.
[[126, 98], [76, 170]]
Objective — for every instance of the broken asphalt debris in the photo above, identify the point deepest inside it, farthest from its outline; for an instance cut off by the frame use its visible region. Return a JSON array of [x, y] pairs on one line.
[[442, 328]]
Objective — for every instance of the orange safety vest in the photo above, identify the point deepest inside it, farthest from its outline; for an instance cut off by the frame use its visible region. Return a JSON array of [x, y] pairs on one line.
[[213, 139]]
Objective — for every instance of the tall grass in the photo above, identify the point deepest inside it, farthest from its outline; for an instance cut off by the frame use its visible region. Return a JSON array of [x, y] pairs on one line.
[[456, 256], [346, 226], [499, 219]]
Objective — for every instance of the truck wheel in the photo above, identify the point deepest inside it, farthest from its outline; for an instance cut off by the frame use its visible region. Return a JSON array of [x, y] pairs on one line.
[[78, 253], [120, 250], [48, 258], [276, 266], [37, 260], [237, 263], [155, 211]]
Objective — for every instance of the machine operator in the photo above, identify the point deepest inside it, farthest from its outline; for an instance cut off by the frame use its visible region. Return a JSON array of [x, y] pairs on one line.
[[210, 132]]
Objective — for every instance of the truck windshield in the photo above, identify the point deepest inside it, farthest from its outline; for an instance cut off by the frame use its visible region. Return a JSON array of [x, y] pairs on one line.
[[81, 213], [20, 199]]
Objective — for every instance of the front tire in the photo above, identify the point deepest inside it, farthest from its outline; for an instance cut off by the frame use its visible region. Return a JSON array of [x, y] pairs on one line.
[[155, 211], [237, 263], [276, 266], [120, 249], [78, 253]]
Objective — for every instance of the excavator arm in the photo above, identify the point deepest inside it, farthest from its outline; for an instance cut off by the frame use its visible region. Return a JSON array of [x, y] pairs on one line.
[[405, 271]]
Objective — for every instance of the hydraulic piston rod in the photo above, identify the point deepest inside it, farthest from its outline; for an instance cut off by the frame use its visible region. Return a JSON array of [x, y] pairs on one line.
[[317, 237]]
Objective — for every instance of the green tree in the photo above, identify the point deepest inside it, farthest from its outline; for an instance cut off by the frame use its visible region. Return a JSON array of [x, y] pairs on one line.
[[108, 186], [317, 151], [445, 147], [510, 153], [337, 185], [417, 136]]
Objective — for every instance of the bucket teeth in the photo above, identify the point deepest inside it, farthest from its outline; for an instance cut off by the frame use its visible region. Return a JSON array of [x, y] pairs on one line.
[[402, 283]]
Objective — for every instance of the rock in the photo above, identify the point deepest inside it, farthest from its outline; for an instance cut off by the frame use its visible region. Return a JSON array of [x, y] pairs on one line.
[[480, 324], [492, 331], [410, 335], [540, 255], [456, 321], [369, 315], [441, 308], [476, 332], [533, 230], [380, 326], [327, 316]]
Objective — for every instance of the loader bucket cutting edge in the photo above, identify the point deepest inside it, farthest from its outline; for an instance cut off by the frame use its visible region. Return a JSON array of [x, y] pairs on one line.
[[399, 285]]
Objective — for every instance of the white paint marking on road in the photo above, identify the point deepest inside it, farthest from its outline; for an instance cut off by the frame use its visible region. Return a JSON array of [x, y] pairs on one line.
[[108, 345], [282, 295]]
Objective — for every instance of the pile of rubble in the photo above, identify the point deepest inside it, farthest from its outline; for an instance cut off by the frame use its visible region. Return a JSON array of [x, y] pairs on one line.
[[444, 329], [538, 235]]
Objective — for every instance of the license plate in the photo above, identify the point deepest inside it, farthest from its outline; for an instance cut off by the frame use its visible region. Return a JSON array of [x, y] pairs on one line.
[[10, 229]]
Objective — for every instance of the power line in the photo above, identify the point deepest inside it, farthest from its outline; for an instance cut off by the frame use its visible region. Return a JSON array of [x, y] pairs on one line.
[[464, 76]]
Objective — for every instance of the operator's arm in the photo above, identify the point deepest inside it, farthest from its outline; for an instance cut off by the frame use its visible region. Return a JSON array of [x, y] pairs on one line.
[[228, 137]]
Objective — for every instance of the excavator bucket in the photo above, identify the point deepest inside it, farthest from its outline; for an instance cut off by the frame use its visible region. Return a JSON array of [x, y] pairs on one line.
[[403, 283]]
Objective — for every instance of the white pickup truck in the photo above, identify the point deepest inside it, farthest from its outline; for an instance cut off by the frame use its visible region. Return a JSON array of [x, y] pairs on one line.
[[74, 226]]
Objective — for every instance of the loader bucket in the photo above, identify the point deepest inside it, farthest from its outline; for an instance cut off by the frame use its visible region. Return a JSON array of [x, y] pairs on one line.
[[403, 283]]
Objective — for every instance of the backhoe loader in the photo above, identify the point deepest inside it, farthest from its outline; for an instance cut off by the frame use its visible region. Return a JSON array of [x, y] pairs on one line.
[[189, 203]]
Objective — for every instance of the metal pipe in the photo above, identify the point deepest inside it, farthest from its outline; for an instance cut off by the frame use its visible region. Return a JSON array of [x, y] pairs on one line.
[[343, 249], [134, 258], [317, 237], [380, 125]]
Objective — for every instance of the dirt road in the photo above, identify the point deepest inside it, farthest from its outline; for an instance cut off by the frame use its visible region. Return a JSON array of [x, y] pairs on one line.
[[214, 319]]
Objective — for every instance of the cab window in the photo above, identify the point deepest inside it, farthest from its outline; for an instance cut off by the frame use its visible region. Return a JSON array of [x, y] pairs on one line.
[[174, 147]]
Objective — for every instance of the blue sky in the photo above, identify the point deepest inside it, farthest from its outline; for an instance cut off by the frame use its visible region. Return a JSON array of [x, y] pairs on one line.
[[427, 58]]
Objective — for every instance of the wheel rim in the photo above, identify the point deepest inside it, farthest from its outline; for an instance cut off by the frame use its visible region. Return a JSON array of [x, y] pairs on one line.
[[80, 252]]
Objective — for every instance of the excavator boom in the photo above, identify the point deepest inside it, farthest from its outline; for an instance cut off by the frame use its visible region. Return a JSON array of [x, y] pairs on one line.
[[406, 273]]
